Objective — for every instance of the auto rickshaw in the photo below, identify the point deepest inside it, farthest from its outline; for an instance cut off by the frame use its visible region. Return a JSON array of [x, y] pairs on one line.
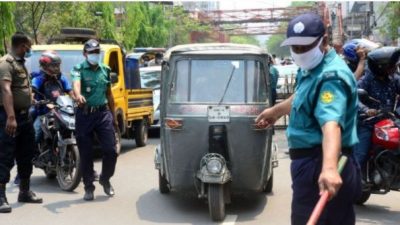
[[210, 144]]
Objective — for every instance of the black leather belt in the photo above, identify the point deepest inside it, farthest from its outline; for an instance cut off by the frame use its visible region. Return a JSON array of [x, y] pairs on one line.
[[299, 153], [92, 109]]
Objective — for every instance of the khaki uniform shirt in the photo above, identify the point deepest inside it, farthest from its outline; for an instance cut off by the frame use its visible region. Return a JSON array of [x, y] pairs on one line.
[[14, 70]]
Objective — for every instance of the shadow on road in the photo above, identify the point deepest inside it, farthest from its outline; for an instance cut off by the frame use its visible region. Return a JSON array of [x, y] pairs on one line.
[[56, 206], [377, 214], [157, 208]]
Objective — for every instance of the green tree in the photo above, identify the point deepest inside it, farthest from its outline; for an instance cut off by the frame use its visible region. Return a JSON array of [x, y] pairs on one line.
[[183, 25], [244, 40], [104, 19], [7, 24], [273, 45], [132, 19], [393, 20], [29, 16], [153, 31]]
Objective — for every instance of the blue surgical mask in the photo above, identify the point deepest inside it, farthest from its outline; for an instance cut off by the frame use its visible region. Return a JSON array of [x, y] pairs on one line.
[[93, 58], [28, 54]]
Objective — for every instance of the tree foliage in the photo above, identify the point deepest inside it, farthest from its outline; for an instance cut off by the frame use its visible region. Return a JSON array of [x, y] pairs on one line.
[[7, 27], [245, 40], [392, 13], [29, 17], [142, 24], [273, 45]]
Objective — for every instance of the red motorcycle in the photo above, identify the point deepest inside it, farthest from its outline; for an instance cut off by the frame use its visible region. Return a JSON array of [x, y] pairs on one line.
[[382, 172]]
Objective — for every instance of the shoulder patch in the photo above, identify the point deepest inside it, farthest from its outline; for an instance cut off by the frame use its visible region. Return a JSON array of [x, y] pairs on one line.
[[327, 97], [330, 75]]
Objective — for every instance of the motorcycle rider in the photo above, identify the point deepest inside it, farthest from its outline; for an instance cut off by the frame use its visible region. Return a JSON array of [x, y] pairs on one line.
[[355, 56], [51, 83], [382, 84]]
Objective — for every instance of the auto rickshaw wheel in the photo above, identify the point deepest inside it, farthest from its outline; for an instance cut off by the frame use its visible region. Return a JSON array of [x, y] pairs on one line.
[[216, 202], [141, 132], [363, 198], [270, 184], [163, 184]]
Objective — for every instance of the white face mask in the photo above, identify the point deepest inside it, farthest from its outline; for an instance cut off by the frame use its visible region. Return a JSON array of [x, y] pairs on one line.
[[93, 58], [308, 60]]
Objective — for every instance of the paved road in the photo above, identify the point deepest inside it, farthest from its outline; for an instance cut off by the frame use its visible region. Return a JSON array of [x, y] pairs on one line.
[[138, 201]]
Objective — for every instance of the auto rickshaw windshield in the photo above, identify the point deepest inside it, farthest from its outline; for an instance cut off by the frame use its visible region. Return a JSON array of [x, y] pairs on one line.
[[219, 81]]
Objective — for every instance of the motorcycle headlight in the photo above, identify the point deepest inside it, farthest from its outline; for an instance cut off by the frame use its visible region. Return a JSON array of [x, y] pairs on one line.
[[382, 134], [214, 166], [69, 121]]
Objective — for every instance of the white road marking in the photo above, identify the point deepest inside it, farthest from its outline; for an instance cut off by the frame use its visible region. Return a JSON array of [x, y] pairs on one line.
[[229, 220]]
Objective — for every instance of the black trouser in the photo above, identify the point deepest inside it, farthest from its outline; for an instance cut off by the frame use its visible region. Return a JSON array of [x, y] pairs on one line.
[[21, 147], [305, 171], [101, 123]]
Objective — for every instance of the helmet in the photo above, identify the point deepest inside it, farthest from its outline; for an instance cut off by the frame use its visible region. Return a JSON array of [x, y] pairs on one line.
[[91, 45], [349, 51], [50, 63], [383, 58], [49, 58]]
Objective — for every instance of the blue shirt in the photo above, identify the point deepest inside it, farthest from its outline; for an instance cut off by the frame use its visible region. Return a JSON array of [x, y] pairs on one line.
[[384, 91], [326, 93], [50, 88]]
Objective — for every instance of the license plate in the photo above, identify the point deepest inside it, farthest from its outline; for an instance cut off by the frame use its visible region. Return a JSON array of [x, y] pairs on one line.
[[218, 114]]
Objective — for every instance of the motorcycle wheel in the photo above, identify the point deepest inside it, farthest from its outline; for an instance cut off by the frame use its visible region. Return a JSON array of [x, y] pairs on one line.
[[141, 133], [216, 202], [162, 184], [69, 176], [363, 198]]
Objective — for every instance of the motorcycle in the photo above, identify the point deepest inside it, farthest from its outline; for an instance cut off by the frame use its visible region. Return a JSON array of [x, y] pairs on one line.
[[58, 153], [382, 170]]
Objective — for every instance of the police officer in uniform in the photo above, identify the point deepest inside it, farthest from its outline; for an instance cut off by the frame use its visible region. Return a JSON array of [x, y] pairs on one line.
[[95, 114], [322, 125], [16, 129]]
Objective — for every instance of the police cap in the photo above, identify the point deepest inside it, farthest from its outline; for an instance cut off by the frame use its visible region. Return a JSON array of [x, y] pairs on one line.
[[91, 45]]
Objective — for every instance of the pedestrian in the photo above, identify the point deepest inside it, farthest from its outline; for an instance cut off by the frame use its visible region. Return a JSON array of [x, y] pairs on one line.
[[322, 125], [274, 74], [16, 129], [95, 114]]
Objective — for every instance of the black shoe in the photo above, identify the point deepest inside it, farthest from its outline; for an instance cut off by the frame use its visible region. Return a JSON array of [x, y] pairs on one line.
[[108, 189], [4, 206], [29, 197], [89, 195]]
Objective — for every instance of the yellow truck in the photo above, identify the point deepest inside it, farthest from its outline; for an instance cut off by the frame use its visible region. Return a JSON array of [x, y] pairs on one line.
[[133, 105]]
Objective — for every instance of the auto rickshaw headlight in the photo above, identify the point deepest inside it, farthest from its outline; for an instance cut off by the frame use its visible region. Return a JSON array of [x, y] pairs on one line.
[[214, 166]]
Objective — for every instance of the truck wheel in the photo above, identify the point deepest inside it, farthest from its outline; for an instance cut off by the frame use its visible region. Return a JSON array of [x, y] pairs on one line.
[[363, 198], [162, 184], [141, 133], [270, 184], [216, 202]]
